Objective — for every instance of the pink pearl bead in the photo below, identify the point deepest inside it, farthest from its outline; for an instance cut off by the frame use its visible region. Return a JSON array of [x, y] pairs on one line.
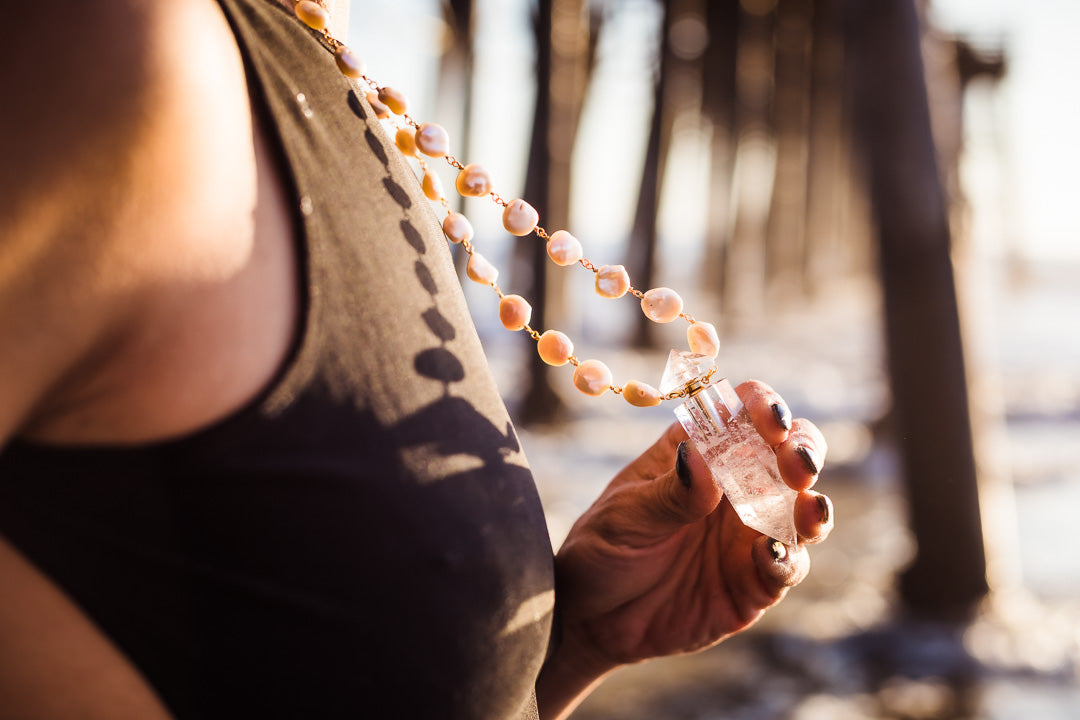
[[563, 248], [473, 181], [431, 185], [312, 14], [612, 281], [432, 140], [661, 305], [520, 218], [554, 348], [405, 142], [702, 339], [480, 270], [514, 312], [457, 227], [349, 63], [393, 99], [592, 377], [641, 394]]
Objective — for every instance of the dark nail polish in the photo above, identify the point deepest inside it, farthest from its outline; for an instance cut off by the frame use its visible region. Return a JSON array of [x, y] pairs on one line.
[[777, 549], [682, 465], [782, 414], [809, 458], [825, 506]]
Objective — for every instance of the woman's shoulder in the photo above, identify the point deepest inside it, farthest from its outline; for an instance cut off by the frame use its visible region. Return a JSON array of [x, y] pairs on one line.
[[129, 177]]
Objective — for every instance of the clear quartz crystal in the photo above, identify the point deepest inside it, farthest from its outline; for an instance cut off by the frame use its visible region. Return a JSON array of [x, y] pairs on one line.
[[740, 460]]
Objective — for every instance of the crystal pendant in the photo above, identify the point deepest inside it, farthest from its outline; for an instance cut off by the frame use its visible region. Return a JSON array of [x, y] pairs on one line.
[[740, 460]]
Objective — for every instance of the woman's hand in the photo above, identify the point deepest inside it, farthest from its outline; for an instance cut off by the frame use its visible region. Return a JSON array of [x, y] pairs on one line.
[[661, 564]]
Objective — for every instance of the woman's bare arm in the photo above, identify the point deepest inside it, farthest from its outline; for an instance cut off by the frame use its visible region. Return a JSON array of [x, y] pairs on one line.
[[54, 663], [77, 79], [78, 82]]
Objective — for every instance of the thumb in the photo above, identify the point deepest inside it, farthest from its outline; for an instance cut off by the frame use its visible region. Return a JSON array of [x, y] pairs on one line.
[[681, 496]]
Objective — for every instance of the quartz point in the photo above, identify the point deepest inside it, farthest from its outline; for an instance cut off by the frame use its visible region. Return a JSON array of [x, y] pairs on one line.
[[740, 460]]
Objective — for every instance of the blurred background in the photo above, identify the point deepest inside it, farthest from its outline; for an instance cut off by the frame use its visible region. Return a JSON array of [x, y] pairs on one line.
[[874, 202]]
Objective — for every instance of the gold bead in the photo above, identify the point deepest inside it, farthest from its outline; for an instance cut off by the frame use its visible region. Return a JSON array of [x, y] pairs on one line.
[[381, 111]]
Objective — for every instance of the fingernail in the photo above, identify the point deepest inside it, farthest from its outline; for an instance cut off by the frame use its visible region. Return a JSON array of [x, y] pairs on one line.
[[825, 506], [782, 414], [682, 465], [777, 549], [809, 458]]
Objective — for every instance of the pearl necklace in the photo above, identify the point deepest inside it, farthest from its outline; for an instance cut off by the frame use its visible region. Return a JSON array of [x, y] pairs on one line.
[[419, 139]]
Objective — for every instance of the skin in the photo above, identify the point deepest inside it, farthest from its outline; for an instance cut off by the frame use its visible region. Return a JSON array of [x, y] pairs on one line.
[[656, 568], [147, 281], [148, 288]]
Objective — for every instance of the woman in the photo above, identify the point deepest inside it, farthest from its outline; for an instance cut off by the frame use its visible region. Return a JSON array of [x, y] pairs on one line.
[[254, 463]]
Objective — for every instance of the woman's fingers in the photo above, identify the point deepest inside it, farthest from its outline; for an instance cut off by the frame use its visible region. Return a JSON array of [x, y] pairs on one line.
[[800, 447], [768, 411], [801, 456], [813, 516], [668, 487], [780, 566], [683, 495], [657, 496]]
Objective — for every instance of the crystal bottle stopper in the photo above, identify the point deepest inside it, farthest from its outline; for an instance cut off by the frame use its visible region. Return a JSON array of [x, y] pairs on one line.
[[740, 460]]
